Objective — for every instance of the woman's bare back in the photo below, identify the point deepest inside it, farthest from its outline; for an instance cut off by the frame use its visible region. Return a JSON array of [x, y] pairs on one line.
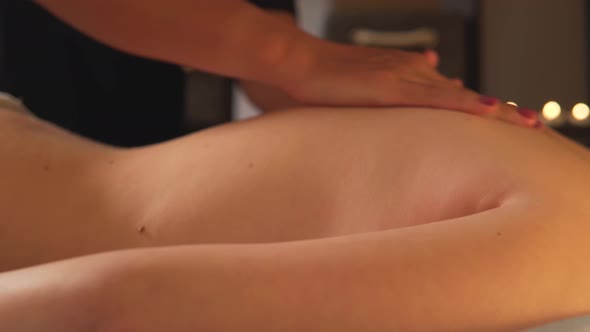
[[317, 173], [295, 175]]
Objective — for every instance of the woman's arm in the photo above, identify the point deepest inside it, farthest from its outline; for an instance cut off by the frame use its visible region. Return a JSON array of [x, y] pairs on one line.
[[501, 270], [227, 37], [236, 39]]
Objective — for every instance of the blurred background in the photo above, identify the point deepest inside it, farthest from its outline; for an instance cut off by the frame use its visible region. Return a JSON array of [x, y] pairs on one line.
[[533, 53]]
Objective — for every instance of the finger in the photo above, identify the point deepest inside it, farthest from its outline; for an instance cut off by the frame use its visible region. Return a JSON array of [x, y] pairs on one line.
[[448, 97], [464, 100], [515, 115], [432, 57], [467, 101], [431, 78]]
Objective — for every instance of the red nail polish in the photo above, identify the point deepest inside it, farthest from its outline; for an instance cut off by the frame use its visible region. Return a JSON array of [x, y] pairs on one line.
[[527, 113], [489, 101]]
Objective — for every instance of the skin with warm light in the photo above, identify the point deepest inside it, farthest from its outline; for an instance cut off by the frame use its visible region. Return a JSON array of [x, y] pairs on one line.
[[340, 220]]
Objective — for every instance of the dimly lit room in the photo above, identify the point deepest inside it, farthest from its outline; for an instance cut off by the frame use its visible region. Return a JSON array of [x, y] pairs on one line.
[[294, 165]]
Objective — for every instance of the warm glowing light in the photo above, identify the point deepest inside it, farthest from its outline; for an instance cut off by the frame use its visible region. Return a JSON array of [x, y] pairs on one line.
[[512, 103], [581, 112], [551, 110]]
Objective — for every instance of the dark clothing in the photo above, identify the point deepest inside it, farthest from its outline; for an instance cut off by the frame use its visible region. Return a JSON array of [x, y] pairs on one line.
[[288, 6], [87, 87]]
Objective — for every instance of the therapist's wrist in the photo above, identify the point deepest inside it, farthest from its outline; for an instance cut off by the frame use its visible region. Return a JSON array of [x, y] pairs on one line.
[[301, 60], [289, 54]]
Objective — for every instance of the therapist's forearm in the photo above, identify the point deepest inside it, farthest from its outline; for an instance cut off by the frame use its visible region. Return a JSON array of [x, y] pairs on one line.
[[267, 97], [227, 37]]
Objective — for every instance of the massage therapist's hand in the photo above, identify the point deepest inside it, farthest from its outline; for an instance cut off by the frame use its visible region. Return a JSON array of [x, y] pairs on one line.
[[344, 75], [236, 39]]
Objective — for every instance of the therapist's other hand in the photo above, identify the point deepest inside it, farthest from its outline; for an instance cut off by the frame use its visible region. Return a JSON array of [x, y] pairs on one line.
[[345, 75]]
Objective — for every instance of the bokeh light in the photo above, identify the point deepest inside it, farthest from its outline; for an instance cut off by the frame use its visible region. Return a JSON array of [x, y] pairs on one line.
[[551, 110], [581, 112]]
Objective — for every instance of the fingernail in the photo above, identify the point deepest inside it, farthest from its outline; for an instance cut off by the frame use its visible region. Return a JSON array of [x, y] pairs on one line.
[[489, 101], [528, 113]]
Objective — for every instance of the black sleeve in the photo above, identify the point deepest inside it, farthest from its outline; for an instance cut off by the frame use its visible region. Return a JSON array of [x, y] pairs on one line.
[[286, 5]]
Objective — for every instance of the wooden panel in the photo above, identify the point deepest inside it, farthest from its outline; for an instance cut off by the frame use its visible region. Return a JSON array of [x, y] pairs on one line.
[[534, 51]]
